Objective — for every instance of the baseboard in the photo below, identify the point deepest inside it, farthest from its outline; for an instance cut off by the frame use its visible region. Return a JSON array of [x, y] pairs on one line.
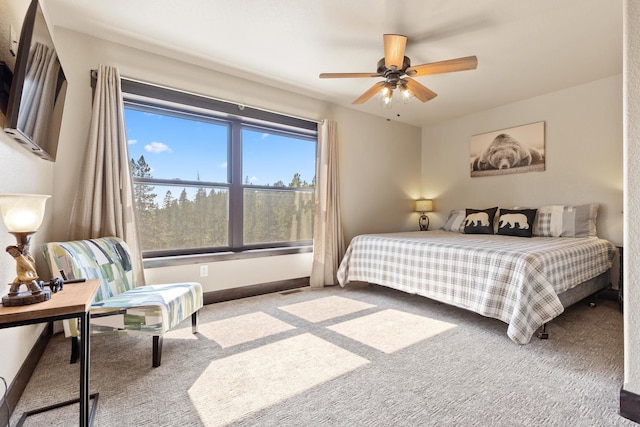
[[253, 290], [19, 383], [630, 405]]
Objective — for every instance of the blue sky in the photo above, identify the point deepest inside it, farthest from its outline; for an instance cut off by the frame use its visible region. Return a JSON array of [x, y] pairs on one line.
[[186, 149]]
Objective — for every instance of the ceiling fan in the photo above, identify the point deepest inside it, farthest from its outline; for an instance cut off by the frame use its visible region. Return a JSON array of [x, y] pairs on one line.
[[397, 72]]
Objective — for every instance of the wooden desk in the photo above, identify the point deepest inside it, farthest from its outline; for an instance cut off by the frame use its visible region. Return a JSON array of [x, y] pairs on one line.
[[73, 301]]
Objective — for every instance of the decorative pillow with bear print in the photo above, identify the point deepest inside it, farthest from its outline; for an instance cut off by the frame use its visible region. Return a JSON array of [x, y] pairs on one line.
[[479, 221], [516, 222]]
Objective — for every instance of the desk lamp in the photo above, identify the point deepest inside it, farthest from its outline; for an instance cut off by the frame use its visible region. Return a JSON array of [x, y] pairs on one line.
[[23, 214], [424, 206]]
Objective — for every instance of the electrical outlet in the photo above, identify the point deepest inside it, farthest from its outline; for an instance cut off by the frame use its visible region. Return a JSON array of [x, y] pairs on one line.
[[204, 270]]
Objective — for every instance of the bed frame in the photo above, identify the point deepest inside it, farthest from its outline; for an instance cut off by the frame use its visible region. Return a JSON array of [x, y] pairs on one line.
[[578, 293]]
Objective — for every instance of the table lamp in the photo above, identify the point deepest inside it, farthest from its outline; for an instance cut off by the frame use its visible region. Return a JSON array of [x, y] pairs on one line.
[[423, 206], [23, 214]]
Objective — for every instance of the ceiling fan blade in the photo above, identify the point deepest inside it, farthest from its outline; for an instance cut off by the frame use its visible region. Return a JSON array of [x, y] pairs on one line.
[[418, 90], [448, 66], [347, 75], [394, 46], [370, 92]]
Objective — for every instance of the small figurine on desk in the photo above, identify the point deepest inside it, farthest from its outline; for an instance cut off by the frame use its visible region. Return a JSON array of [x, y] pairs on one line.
[[26, 275], [56, 284], [26, 270]]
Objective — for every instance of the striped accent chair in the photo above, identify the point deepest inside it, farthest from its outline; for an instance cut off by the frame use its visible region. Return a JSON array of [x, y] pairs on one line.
[[119, 306]]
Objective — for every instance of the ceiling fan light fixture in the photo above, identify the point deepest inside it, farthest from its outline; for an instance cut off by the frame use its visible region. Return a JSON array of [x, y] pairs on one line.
[[396, 70], [406, 94], [387, 97]]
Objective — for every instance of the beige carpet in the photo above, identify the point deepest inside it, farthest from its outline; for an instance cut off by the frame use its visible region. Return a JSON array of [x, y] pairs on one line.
[[364, 355], [391, 330], [256, 379], [320, 309], [240, 329]]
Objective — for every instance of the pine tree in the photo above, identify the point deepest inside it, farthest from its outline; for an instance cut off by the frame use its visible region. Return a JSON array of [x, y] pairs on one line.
[[296, 181], [142, 193], [144, 200]]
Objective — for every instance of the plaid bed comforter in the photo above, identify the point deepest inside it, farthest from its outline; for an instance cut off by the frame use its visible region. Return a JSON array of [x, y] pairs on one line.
[[512, 279]]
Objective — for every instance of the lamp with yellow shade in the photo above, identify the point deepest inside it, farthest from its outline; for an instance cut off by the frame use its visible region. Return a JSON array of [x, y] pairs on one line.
[[23, 215], [423, 206]]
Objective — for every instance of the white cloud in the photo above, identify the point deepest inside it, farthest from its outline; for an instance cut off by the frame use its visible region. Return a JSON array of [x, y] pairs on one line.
[[157, 147], [223, 165], [253, 179], [132, 141], [264, 135]]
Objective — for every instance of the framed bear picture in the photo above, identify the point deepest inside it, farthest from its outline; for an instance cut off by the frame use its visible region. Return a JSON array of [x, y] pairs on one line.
[[518, 149]]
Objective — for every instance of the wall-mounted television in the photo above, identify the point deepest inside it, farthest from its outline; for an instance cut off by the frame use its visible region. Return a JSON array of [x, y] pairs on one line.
[[38, 88]]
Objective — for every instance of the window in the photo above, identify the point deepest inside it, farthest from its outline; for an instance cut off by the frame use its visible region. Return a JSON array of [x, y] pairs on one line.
[[209, 181]]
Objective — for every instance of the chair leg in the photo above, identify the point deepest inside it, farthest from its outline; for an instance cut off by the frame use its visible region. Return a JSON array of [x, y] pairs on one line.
[[75, 349], [194, 322], [157, 350]]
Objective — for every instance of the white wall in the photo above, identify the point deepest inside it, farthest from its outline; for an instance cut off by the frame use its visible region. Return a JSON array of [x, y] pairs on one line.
[[584, 156], [379, 166], [20, 172], [632, 200], [379, 173], [236, 273]]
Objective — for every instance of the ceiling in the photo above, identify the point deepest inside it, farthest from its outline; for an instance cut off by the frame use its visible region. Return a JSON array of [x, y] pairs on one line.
[[524, 48]]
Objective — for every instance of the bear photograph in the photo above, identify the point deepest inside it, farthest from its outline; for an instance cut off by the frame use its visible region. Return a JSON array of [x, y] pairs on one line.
[[516, 150]]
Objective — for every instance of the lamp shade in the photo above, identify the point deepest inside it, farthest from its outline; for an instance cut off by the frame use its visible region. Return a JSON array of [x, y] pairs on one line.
[[22, 213], [424, 205]]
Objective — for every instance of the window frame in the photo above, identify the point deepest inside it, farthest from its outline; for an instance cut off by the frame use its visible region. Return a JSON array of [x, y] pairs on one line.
[[161, 100]]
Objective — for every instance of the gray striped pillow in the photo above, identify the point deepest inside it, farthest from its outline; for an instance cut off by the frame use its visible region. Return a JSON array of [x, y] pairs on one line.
[[566, 221]]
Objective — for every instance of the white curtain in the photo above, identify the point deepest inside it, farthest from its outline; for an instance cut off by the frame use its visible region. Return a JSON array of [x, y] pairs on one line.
[[104, 202], [328, 240], [38, 93]]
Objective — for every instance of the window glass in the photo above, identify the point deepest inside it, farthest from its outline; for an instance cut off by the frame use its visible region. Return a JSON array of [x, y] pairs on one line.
[[206, 181], [272, 216], [277, 159], [178, 147], [182, 218]]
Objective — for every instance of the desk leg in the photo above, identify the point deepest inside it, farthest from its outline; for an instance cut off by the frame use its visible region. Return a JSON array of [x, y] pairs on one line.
[[84, 369], [86, 414]]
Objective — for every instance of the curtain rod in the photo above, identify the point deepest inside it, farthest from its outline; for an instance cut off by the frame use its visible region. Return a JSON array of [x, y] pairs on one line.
[[94, 76]]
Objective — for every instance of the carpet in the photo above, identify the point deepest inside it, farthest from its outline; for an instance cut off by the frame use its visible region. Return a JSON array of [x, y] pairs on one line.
[[362, 355], [391, 330], [320, 309], [249, 381]]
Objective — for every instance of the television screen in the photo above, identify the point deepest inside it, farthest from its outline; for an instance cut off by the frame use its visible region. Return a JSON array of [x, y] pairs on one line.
[[38, 89]]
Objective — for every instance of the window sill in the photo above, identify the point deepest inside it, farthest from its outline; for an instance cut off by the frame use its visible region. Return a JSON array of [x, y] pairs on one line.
[[222, 256]]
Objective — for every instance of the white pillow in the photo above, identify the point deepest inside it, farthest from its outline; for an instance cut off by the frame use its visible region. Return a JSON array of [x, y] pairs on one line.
[[455, 222]]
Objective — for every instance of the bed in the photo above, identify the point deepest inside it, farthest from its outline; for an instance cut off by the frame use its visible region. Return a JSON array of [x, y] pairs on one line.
[[524, 282]]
